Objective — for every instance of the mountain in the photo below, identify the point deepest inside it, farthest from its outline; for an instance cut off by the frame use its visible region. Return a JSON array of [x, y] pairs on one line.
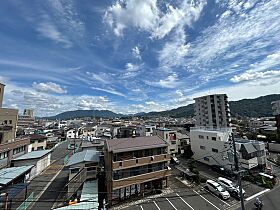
[[257, 107], [85, 113]]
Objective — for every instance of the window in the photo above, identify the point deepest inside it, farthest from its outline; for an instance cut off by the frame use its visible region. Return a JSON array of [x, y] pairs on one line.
[[214, 138], [3, 155], [200, 136], [5, 122], [207, 137], [10, 121], [40, 148], [120, 164], [173, 142], [202, 147], [206, 159], [215, 150], [74, 170]]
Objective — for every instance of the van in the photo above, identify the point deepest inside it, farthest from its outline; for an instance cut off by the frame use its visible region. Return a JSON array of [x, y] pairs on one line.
[[217, 189]]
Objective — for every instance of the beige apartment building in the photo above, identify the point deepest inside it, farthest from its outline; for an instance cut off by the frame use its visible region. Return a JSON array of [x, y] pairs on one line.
[[135, 166], [212, 111]]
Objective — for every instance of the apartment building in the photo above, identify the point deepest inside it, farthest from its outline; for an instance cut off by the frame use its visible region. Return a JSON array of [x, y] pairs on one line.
[[10, 147], [170, 136], [135, 166], [214, 147], [276, 113], [212, 111], [38, 141], [27, 119]]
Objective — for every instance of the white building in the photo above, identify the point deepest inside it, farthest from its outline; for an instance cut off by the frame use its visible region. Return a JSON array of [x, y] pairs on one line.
[[213, 147], [212, 111], [39, 159], [170, 136], [72, 133], [145, 130]]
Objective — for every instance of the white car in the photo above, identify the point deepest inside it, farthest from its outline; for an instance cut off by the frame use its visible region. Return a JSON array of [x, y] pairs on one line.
[[231, 187], [217, 189]]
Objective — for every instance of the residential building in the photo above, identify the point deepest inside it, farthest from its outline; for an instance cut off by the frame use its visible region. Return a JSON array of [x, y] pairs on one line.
[[27, 119], [8, 124], [126, 132], [170, 136], [276, 113], [212, 111], [38, 141], [214, 147], [88, 160], [39, 159], [72, 133], [135, 166], [145, 130]]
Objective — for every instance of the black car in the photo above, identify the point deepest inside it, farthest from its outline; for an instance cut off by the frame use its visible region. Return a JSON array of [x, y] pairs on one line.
[[222, 170]]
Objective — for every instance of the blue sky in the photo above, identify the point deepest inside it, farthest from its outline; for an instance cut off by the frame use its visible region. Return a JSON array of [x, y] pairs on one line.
[[130, 56]]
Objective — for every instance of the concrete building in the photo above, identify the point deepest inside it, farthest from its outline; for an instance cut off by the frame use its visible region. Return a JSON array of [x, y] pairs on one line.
[[212, 111], [145, 130], [38, 141], [27, 119], [276, 113], [213, 147], [170, 136], [2, 86], [39, 159], [135, 166]]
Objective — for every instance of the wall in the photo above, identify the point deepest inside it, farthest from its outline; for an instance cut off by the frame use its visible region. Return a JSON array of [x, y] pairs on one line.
[[9, 117]]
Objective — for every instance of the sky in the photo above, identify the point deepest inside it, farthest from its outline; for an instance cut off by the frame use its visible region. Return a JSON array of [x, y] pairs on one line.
[[131, 56]]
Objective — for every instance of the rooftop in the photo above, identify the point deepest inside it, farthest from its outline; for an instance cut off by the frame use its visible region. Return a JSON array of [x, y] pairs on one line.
[[9, 174], [36, 136], [138, 143], [84, 156], [33, 155]]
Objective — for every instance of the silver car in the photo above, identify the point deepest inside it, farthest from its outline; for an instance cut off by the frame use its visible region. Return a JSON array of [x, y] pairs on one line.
[[217, 189]]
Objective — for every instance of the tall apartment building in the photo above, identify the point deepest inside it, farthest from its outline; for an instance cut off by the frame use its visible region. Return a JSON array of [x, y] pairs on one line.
[[135, 166], [27, 119], [212, 111], [276, 113], [10, 147]]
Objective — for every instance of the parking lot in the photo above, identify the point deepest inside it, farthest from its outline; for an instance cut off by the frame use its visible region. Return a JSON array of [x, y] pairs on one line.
[[184, 197]]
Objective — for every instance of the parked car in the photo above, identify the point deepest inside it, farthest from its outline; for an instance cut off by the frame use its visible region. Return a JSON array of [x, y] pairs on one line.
[[231, 187], [174, 160], [217, 189]]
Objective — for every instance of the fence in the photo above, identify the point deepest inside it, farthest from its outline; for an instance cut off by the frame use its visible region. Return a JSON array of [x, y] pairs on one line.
[[27, 202]]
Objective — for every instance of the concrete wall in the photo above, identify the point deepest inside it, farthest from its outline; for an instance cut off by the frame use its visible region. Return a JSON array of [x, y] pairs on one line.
[[273, 147]]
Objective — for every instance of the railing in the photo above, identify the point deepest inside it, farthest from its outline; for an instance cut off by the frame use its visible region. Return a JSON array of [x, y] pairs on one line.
[[76, 182]]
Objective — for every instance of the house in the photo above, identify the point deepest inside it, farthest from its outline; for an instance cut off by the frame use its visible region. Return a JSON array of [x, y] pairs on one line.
[[170, 136], [88, 160], [94, 144], [38, 141], [145, 130], [72, 133], [40, 159], [214, 147], [135, 166]]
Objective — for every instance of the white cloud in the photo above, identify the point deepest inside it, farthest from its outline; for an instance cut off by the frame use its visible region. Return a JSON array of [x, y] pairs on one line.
[[170, 81], [111, 91], [179, 93], [136, 53], [48, 87], [142, 14], [145, 15], [151, 103], [131, 67], [250, 75], [100, 77], [48, 30]]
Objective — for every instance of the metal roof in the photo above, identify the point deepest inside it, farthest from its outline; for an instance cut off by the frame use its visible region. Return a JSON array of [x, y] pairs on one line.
[[33, 155], [84, 156], [9, 174], [132, 144]]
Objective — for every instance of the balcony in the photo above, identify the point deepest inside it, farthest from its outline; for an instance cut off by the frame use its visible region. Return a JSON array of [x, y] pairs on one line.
[[248, 164], [140, 178], [140, 161]]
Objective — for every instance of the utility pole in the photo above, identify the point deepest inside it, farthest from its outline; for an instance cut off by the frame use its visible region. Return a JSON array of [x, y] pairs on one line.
[[238, 174]]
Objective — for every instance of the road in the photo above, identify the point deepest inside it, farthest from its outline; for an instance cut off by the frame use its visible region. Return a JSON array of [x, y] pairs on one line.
[[48, 185]]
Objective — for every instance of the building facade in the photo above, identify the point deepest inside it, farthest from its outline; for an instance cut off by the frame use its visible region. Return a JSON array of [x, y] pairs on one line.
[[276, 113], [135, 166], [212, 111], [145, 130], [170, 136], [27, 119], [214, 147]]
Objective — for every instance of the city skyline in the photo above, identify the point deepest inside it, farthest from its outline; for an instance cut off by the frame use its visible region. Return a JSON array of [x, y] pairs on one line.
[[133, 56]]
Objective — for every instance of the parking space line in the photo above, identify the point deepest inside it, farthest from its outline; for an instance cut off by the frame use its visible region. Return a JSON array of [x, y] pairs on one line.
[[156, 205], [185, 201], [171, 204], [258, 194], [206, 200], [141, 207], [217, 197]]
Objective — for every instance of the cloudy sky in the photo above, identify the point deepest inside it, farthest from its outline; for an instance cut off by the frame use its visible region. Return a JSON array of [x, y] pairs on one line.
[[131, 56]]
